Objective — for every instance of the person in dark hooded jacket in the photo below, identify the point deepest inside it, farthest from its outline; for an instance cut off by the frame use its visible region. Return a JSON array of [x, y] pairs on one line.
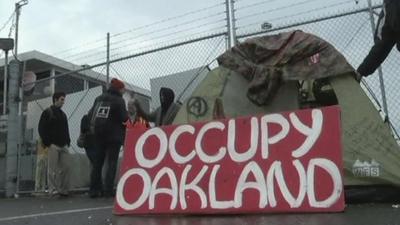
[[107, 116], [165, 114], [387, 34]]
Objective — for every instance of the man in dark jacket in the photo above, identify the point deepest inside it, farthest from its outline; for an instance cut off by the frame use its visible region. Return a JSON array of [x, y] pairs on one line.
[[54, 132], [165, 114], [387, 34], [108, 116]]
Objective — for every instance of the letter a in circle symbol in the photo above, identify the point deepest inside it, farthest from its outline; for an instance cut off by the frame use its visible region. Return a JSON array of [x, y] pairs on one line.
[[197, 106]]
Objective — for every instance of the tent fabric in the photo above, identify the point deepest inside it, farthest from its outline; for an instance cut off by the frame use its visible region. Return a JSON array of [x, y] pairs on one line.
[[268, 61], [222, 94], [371, 154]]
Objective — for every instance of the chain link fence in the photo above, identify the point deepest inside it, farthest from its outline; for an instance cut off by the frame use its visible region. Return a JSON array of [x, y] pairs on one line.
[[83, 84], [177, 66], [351, 34]]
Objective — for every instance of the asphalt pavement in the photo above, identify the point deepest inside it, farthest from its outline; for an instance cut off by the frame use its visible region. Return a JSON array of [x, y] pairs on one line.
[[80, 209]]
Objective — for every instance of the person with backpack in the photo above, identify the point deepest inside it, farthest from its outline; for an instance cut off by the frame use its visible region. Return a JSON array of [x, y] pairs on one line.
[[387, 34], [108, 117], [54, 133]]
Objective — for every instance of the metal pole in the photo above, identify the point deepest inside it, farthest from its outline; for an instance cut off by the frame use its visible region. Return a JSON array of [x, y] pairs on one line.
[[108, 61], [12, 133], [5, 83], [233, 23], [18, 6], [21, 135], [17, 10], [19, 101], [228, 24], [52, 82], [380, 72]]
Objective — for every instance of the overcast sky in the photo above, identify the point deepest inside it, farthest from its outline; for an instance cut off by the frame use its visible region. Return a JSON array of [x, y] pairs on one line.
[[75, 30], [49, 25], [53, 26]]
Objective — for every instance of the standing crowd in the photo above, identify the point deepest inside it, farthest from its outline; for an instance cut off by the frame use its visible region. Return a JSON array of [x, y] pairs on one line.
[[102, 134]]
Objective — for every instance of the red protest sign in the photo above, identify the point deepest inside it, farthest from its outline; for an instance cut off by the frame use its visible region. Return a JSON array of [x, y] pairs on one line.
[[283, 162]]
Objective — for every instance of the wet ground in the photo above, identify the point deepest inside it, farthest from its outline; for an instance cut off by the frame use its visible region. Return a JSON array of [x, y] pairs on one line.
[[79, 209]]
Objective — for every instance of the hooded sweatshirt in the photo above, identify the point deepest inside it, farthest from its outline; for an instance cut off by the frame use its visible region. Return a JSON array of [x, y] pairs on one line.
[[165, 114]]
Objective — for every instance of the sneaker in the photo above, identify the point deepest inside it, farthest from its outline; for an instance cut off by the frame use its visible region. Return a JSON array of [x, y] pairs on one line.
[[54, 194]]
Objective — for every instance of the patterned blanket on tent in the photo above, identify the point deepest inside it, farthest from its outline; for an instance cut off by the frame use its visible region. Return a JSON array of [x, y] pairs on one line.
[[268, 61]]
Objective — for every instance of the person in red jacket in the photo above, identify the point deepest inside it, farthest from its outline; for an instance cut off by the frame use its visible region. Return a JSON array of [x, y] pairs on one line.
[[135, 121]]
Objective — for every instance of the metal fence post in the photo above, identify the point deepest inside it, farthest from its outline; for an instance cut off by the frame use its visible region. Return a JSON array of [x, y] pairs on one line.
[[380, 72], [21, 125], [234, 39], [13, 130], [228, 24], [5, 84], [108, 61]]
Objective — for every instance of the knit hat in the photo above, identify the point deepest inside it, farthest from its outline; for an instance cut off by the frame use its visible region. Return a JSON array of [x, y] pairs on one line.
[[117, 84]]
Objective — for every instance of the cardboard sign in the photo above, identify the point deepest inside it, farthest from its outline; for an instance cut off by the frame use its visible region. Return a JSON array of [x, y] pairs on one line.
[[284, 162]]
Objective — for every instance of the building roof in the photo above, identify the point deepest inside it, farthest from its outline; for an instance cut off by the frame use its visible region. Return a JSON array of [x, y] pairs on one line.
[[37, 60]]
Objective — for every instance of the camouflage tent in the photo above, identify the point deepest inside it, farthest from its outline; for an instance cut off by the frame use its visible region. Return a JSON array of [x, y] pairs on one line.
[[296, 70]]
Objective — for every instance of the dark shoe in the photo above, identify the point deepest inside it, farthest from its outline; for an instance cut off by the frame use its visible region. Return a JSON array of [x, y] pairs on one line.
[[64, 195], [109, 194], [95, 194]]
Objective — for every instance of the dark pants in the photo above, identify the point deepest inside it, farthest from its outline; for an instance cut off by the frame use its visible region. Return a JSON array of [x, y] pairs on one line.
[[90, 147], [91, 154], [104, 151]]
